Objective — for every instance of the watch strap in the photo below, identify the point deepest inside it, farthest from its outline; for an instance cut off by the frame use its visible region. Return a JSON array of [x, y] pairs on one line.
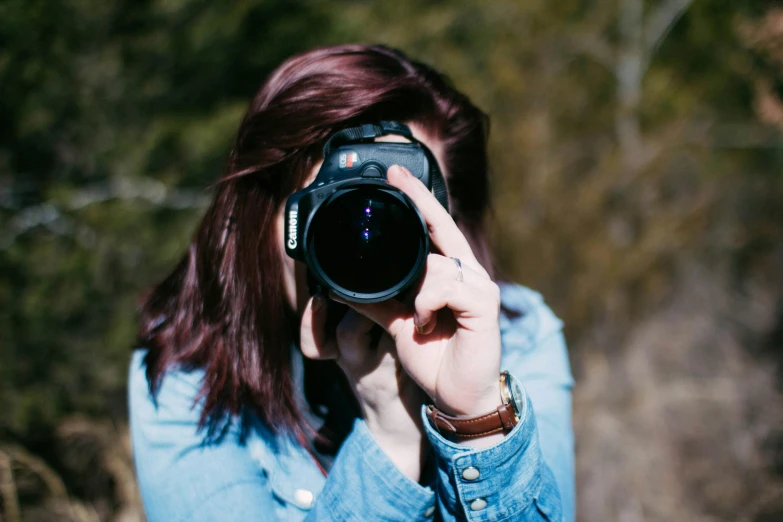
[[501, 420]]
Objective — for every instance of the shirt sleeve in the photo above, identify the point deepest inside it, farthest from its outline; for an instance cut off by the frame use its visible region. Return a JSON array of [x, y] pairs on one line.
[[529, 475]]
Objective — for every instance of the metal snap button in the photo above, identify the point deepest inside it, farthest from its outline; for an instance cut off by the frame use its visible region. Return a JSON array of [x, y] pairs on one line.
[[304, 498], [478, 504], [429, 512], [470, 473]]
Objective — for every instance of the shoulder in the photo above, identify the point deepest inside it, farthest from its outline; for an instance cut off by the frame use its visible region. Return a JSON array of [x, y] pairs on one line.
[[176, 465], [532, 335], [174, 411], [176, 397], [527, 317]]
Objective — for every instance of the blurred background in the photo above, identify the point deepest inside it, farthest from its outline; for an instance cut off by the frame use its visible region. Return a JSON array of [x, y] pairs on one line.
[[637, 152]]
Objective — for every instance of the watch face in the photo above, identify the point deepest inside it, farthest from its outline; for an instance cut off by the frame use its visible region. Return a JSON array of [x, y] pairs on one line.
[[517, 397]]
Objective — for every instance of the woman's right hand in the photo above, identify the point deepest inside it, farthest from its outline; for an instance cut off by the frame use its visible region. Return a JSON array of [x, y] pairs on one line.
[[389, 398]]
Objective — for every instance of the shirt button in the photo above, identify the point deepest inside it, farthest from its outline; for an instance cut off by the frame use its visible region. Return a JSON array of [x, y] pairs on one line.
[[478, 504], [304, 498], [429, 512], [470, 473]]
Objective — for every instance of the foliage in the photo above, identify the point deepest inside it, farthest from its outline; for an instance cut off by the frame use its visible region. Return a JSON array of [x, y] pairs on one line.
[[619, 159]]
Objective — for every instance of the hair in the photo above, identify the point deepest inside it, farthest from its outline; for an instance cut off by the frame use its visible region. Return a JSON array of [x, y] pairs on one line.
[[223, 308]]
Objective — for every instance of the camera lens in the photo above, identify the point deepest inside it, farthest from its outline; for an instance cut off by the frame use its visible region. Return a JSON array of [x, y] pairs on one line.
[[367, 240]]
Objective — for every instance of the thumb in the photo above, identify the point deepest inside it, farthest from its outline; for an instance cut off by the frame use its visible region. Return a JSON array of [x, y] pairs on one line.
[[390, 315], [313, 339]]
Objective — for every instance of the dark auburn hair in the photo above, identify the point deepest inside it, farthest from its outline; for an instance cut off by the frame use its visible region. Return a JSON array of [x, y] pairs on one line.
[[224, 307]]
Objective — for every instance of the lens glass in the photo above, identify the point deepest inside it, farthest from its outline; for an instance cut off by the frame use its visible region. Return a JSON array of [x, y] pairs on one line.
[[367, 240]]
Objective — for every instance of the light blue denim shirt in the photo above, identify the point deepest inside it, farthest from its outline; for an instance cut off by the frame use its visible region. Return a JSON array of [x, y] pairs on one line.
[[529, 475]]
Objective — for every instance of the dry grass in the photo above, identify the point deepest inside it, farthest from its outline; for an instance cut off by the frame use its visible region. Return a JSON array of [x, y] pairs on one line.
[[96, 460], [673, 427]]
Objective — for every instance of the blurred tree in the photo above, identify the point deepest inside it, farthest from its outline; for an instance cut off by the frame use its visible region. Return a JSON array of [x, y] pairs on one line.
[[114, 118], [631, 139]]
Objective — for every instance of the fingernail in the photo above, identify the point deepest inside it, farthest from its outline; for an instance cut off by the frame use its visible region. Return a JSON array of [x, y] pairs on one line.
[[318, 302], [421, 328]]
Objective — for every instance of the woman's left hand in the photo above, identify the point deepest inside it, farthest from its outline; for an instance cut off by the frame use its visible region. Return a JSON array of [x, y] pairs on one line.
[[450, 343]]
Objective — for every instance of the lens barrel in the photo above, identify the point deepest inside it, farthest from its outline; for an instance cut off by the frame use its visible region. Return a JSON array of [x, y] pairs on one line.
[[367, 242]]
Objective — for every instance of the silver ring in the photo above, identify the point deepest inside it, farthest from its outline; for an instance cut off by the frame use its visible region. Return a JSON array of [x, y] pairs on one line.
[[459, 267]]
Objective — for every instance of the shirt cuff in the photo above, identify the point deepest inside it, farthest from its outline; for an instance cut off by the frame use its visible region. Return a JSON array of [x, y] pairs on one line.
[[364, 484], [504, 479]]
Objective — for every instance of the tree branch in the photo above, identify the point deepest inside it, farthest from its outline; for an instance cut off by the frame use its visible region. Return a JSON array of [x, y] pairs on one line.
[[12, 512], [149, 190], [595, 47], [52, 215], [661, 21]]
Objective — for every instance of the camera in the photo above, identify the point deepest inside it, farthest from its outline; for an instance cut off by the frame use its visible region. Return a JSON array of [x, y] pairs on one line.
[[359, 236]]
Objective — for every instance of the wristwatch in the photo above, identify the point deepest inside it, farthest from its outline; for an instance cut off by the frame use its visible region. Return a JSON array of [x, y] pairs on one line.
[[501, 420]]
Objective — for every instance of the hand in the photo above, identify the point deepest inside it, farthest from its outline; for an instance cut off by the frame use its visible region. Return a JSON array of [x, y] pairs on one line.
[[389, 398], [450, 344]]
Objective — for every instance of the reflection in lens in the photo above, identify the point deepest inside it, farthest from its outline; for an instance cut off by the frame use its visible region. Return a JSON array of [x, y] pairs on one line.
[[367, 240]]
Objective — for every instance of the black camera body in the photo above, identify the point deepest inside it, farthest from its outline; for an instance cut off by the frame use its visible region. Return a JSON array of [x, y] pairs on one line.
[[359, 236]]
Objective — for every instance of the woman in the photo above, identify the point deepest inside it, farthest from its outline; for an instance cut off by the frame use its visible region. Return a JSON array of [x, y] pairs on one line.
[[243, 407]]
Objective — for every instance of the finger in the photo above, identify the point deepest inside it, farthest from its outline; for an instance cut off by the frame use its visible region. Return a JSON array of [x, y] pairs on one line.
[[442, 229], [428, 325], [313, 339], [354, 338], [473, 297], [390, 314], [353, 329]]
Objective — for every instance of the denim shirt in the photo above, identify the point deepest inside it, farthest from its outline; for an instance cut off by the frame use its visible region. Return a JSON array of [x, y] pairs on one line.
[[258, 476]]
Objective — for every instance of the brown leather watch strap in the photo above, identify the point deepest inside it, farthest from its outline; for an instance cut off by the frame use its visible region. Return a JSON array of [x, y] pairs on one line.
[[501, 420]]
